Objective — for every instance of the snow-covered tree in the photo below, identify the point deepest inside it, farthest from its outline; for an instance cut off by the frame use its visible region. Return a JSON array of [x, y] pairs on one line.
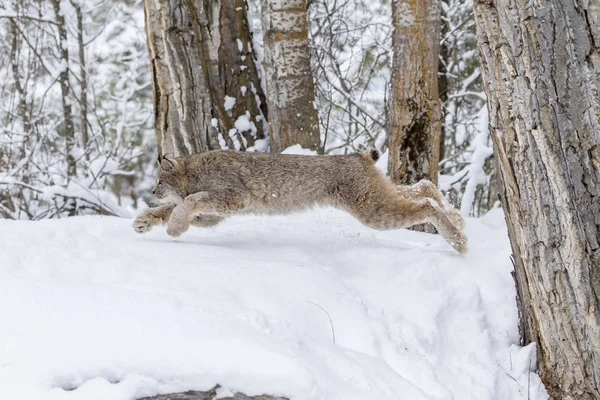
[[207, 93], [540, 66], [74, 115], [290, 90], [351, 43], [414, 119], [466, 162], [108, 106]]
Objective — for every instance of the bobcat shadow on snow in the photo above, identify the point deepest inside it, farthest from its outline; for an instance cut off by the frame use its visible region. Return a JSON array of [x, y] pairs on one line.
[[203, 189]]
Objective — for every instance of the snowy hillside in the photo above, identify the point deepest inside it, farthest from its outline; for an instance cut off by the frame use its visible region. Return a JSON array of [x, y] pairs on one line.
[[309, 306]]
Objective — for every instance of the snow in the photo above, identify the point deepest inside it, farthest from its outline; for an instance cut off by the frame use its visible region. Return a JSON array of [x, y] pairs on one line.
[[222, 141], [91, 310], [476, 174], [382, 163], [260, 145], [242, 123], [240, 45], [298, 149], [234, 138], [103, 164], [229, 103]]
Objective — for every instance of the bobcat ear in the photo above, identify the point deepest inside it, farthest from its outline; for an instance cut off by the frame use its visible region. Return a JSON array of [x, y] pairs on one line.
[[170, 164]]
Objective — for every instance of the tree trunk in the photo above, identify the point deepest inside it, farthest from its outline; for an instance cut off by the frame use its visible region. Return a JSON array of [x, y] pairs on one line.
[[443, 60], [83, 78], [63, 79], [18, 87], [414, 124], [293, 117], [541, 70], [201, 61]]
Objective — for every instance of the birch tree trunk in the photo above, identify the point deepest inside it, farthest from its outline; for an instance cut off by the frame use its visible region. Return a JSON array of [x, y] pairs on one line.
[[541, 69], [204, 76], [293, 117], [414, 118]]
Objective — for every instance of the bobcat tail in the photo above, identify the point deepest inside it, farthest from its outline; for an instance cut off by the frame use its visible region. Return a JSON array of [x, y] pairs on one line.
[[371, 155]]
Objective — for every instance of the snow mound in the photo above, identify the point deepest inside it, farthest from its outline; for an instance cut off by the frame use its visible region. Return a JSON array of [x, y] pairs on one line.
[[308, 306]]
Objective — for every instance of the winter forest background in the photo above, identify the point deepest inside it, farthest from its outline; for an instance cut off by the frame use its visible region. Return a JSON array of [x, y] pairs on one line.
[[76, 114], [92, 91]]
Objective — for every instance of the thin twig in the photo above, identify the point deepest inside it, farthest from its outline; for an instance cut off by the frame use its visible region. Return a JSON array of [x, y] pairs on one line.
[[328, 316], [47, 21]]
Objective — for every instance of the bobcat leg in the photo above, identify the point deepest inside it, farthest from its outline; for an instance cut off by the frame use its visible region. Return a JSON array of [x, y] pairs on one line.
[[213, 206], [205, 220], [426, 189], [151, 217], [381, 213]]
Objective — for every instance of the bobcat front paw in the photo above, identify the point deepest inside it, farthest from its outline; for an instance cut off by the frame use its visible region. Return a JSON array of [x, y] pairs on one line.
[[142, 224], [175, 230]]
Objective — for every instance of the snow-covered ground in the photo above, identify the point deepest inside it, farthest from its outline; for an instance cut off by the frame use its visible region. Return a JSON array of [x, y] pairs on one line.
[[309, 306]]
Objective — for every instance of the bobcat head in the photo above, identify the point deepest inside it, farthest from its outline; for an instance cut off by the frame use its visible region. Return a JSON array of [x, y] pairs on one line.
[[171, 181]]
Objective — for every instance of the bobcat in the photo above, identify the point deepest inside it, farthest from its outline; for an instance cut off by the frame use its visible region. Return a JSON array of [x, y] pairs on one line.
[[203, 189]]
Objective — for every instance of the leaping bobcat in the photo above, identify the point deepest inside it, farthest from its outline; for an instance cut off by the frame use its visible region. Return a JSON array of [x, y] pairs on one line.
[[203, 189]]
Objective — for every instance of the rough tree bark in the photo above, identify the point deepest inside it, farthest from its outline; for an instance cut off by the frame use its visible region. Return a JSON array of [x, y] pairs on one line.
[[208, 395], [201, 59], [414, 117], [541, 70], [293, 118]]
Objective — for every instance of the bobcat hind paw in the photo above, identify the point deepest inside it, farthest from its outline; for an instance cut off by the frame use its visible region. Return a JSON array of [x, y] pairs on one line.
[[456, 218], [459, 243]]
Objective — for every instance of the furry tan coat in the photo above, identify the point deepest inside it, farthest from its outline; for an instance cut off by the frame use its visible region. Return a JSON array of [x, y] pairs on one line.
[[203, 189]]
